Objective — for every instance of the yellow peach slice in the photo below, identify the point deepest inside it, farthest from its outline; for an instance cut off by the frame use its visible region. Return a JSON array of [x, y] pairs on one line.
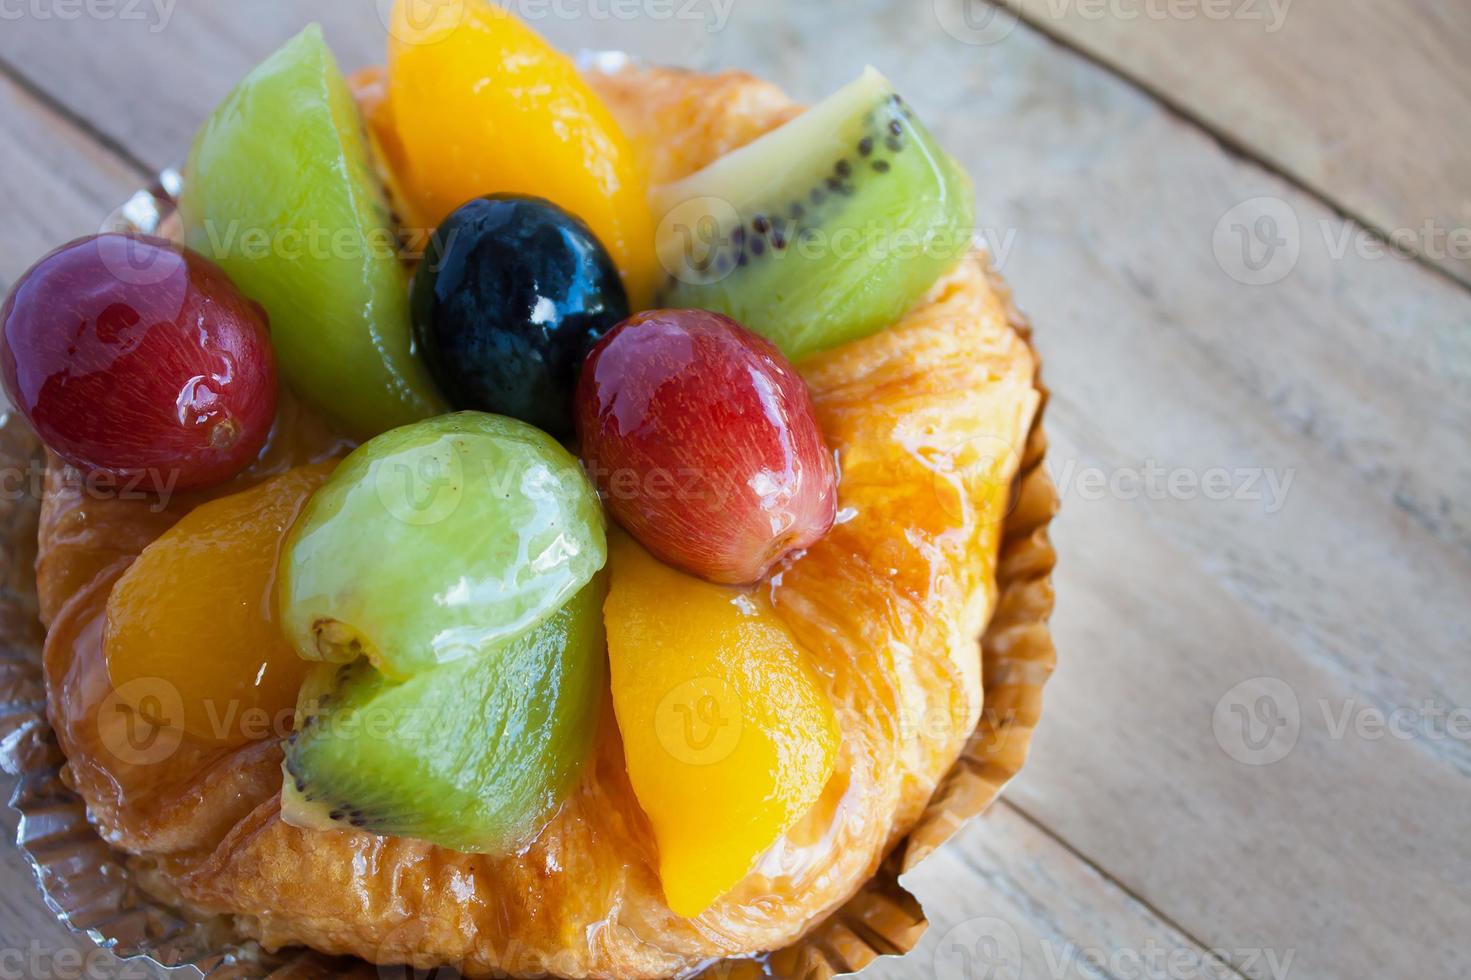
[[192, 638], [481, 105], [728, 734]]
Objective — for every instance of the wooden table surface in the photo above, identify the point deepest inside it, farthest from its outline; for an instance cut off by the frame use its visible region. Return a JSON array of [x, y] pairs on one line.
[[1243, 229]]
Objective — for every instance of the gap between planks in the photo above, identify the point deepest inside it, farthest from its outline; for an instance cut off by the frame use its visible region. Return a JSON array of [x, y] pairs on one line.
[[1201, 947], [77, 121], [1229, 142]]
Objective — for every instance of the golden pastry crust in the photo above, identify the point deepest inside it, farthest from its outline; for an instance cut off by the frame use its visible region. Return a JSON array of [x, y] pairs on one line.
[[929, 419]]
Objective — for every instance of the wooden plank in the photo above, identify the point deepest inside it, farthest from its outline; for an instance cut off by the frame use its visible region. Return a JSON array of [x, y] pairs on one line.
[[1364, 102], [1105, 210], [58, 184], [1007, 901]]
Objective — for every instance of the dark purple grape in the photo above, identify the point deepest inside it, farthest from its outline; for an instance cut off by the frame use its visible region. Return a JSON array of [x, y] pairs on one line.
[[512, 294]]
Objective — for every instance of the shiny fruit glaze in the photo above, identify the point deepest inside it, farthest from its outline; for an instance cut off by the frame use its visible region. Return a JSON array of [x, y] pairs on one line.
[[474, 755], [703, 442], [437, 541], [191, 625], [510, 297], [728, 733], [132, 356], [482, 105], [283, 194]]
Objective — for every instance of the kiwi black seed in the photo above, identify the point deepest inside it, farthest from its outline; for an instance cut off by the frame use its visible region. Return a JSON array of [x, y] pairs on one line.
[[769, 227]]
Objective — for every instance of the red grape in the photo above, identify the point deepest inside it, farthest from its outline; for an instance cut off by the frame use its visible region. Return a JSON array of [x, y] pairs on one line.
[[135, 357], [705, 444]]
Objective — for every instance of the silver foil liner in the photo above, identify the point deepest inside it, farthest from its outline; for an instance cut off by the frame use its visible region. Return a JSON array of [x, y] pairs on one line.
[[92, 890]]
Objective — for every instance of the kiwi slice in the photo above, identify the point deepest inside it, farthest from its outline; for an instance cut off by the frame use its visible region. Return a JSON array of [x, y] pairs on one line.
[[475, 755], [822, 231], [280, 191]]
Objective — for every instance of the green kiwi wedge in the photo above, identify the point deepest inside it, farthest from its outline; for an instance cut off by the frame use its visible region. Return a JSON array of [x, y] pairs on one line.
[[822, 231], [281, 192], [474, 755]]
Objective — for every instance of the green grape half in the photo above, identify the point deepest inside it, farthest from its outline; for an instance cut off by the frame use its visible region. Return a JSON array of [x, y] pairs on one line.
[[438, 541]]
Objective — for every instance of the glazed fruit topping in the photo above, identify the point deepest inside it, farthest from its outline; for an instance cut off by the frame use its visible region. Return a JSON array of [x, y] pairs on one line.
[[473, 755], [822, 231], [510, 297], [132, 356], [704, 443], [438, 541], [728, 733], [196, 612], [282, 193], [483, 105]]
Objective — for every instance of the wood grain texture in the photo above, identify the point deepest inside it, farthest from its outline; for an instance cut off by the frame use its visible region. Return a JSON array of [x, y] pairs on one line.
[[1364, 102], [57, 183], [1259, 481]]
